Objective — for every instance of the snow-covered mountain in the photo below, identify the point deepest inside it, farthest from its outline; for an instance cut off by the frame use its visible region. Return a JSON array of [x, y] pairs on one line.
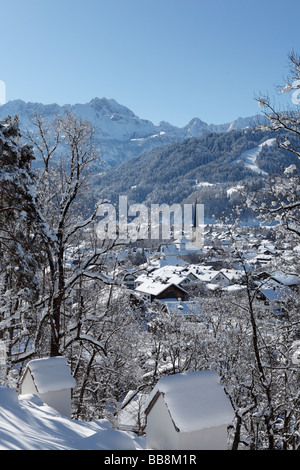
[[120, 133]]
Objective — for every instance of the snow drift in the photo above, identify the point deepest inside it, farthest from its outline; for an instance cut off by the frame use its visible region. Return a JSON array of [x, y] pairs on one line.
[[26, 423]]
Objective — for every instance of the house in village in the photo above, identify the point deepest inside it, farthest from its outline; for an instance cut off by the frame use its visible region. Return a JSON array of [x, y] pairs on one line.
[[274, 295], [182, 246], [182, 277], [188, 411], [235, 276], [191, 309], [179, 275], [168, 284], [157, 289], [262, 259], [290, 280], [50, 378], [209, 276], [165, 282], [158, 260]]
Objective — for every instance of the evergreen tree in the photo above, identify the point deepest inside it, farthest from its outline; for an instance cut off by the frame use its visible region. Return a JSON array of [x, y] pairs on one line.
[[22, 230]]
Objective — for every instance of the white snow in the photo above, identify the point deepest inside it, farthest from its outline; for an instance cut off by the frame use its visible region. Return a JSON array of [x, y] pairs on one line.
[[183, 308], [26, 423], [296, 353], [195, 400], [155, 287], [276, 292], [234, 189], [286, 279], [203, 184], [51, 374], [249, 156]]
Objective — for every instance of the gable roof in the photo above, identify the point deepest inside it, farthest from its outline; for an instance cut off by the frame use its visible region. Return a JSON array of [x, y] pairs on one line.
[[50, 374], [155, 288], [210, 275], [275, 292], [195, 400]]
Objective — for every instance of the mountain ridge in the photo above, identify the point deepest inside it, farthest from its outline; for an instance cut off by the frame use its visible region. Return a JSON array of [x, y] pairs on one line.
[[120, 133]]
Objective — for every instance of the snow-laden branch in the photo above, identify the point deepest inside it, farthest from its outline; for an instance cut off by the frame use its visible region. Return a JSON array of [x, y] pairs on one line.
[[87, 338]]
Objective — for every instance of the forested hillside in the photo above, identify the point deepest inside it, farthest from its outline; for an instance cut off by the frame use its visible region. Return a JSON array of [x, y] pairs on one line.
[[174, 173]]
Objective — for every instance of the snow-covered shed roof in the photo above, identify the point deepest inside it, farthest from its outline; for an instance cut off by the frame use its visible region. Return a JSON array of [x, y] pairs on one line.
[[195, 400], [50, 374]]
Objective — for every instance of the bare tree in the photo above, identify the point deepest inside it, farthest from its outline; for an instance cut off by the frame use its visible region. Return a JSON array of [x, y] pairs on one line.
[[67, 149], [280, 200]]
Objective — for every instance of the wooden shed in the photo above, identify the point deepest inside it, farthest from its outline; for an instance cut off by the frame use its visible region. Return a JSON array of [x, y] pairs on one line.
[[188, 411], [50, 378]]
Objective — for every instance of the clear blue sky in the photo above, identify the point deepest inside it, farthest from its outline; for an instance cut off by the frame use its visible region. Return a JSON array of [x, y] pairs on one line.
[[166, 60]]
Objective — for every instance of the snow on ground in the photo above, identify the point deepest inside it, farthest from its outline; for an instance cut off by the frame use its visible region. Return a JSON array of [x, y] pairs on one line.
[[249, 156], [26, 423], [203, 184], [234, 189]]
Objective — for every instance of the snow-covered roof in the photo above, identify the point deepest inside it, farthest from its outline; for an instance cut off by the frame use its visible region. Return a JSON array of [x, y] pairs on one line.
[[232, 274], [209, 275], [182, 307], [276, 294], [274, 291], [50, 374], [195, 400], [173, 274], [155, 288], [160, 279], [171, 260], [286, 279], [181, 246], [198, 268]]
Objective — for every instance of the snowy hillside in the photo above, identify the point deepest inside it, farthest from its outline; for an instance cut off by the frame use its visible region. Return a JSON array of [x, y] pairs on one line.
[[173, 173], [120, 133], [249, 157], [26, 423]]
